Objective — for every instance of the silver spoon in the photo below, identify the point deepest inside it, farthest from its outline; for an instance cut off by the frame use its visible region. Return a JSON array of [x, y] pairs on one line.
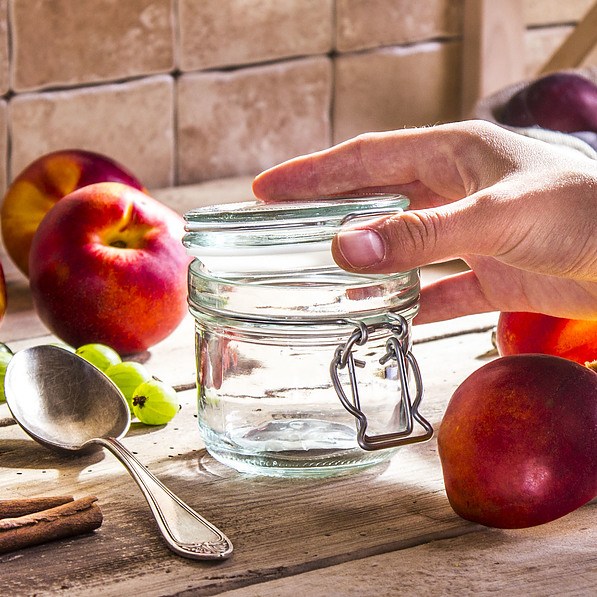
[[64, 402]]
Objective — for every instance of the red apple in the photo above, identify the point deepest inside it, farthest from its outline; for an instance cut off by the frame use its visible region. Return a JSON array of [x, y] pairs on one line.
[[573, 339], [107, 265], [518, 441], [44, 182]]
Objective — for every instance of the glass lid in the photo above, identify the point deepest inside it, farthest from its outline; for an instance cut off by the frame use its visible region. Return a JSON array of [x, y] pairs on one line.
[[291, 234]]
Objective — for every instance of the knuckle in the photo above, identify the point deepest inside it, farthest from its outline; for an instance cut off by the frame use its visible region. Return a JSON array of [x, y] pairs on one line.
[[360, 147], [416, 233]]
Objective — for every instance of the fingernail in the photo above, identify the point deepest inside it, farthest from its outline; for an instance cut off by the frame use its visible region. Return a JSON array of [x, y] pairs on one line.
[[361, 247]]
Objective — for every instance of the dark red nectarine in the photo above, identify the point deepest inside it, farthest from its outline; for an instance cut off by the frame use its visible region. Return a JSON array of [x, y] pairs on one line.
[[561, 101], [564, 102], [518, 441]]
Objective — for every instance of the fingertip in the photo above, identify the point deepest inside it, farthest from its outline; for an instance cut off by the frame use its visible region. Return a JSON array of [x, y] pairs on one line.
[[283, 182], [259, 187], [357, 249]]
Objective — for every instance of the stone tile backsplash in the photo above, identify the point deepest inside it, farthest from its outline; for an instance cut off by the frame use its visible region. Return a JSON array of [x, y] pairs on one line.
[[184, 91], [132, 122], [229, 33], [245, 120], [58, 43]]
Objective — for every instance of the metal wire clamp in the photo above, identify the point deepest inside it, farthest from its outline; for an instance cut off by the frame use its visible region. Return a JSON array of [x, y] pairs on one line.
[[397, 350]]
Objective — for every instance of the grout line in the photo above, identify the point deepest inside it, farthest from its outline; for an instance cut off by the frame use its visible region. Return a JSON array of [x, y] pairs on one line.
[[177, 53]]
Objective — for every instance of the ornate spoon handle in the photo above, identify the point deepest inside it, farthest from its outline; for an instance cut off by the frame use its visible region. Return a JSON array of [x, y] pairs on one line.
[[187, 533]]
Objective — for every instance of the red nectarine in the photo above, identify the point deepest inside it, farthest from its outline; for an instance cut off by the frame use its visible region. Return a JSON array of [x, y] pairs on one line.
[[44, 182], [560, 101], [107, 266], [572, 339]]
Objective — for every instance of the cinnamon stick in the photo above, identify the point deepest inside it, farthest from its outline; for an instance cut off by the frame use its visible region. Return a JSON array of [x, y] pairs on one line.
[[22, 506], [73, 518]]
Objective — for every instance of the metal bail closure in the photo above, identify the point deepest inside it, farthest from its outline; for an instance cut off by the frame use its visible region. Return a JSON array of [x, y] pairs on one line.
[[396, 350]]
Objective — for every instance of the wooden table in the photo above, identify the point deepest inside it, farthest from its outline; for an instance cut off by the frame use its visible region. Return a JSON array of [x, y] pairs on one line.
[[388, 530]]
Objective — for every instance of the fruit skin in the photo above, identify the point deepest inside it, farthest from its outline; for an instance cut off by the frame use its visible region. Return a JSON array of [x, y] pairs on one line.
[[128, 376], [155, 403], [516, 112], [3, 297], [561, 101], [108, 266], [573, 339], [99, 355], [5, 357], [518, 441], [42, 184]]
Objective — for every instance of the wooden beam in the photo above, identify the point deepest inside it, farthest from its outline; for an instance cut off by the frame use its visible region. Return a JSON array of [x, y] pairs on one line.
[[493, 48], [576, 46]]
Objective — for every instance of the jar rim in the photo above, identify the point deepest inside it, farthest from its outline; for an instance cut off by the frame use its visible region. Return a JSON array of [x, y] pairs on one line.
[[235, 237]]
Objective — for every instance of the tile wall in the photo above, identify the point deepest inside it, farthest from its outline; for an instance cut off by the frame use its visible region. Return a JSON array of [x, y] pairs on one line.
[[183, 91]]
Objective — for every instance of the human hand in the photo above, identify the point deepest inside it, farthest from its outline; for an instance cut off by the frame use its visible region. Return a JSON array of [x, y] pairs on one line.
[[520, 212]]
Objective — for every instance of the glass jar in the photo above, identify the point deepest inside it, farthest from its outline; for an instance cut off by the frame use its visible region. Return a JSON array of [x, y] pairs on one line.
[[302, 368]]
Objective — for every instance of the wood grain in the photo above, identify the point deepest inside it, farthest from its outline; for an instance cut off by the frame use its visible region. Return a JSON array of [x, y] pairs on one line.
[[554, 559]]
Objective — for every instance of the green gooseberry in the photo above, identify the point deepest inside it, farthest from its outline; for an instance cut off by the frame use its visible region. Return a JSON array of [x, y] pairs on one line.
[[100, 355], [5, 357], [128, 376], [154, 402]]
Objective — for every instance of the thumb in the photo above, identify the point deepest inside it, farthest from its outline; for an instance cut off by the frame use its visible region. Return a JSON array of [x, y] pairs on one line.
[[410, 239]]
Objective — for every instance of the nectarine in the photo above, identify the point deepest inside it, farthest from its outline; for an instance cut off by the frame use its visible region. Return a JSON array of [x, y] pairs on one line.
[[107, 266], [560, 101], [44, 182], [573, 339], [518, 441]]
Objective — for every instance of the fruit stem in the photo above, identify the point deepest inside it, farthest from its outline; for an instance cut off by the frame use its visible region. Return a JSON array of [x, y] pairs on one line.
[[139, 401]]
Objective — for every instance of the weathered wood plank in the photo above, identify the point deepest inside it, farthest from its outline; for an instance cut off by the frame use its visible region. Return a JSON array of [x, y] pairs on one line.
[[279, 527], [554, 559]]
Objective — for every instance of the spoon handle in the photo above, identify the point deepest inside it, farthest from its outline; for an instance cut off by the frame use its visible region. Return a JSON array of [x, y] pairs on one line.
[[187, 533]]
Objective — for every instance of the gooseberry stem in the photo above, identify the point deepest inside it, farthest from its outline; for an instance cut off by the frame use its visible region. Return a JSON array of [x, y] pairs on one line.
[[139, 401]]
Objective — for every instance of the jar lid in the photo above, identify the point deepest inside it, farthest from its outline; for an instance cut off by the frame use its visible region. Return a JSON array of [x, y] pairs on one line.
[[292, 234]]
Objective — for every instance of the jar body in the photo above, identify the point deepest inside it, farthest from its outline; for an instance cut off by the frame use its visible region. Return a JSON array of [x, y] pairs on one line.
[[266, 401]]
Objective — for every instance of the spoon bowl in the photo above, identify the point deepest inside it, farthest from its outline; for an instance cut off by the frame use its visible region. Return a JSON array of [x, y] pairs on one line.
[[67, 404], [60, 400]]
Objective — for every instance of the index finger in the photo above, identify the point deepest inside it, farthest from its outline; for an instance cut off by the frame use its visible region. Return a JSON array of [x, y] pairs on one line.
[[420, 162]]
